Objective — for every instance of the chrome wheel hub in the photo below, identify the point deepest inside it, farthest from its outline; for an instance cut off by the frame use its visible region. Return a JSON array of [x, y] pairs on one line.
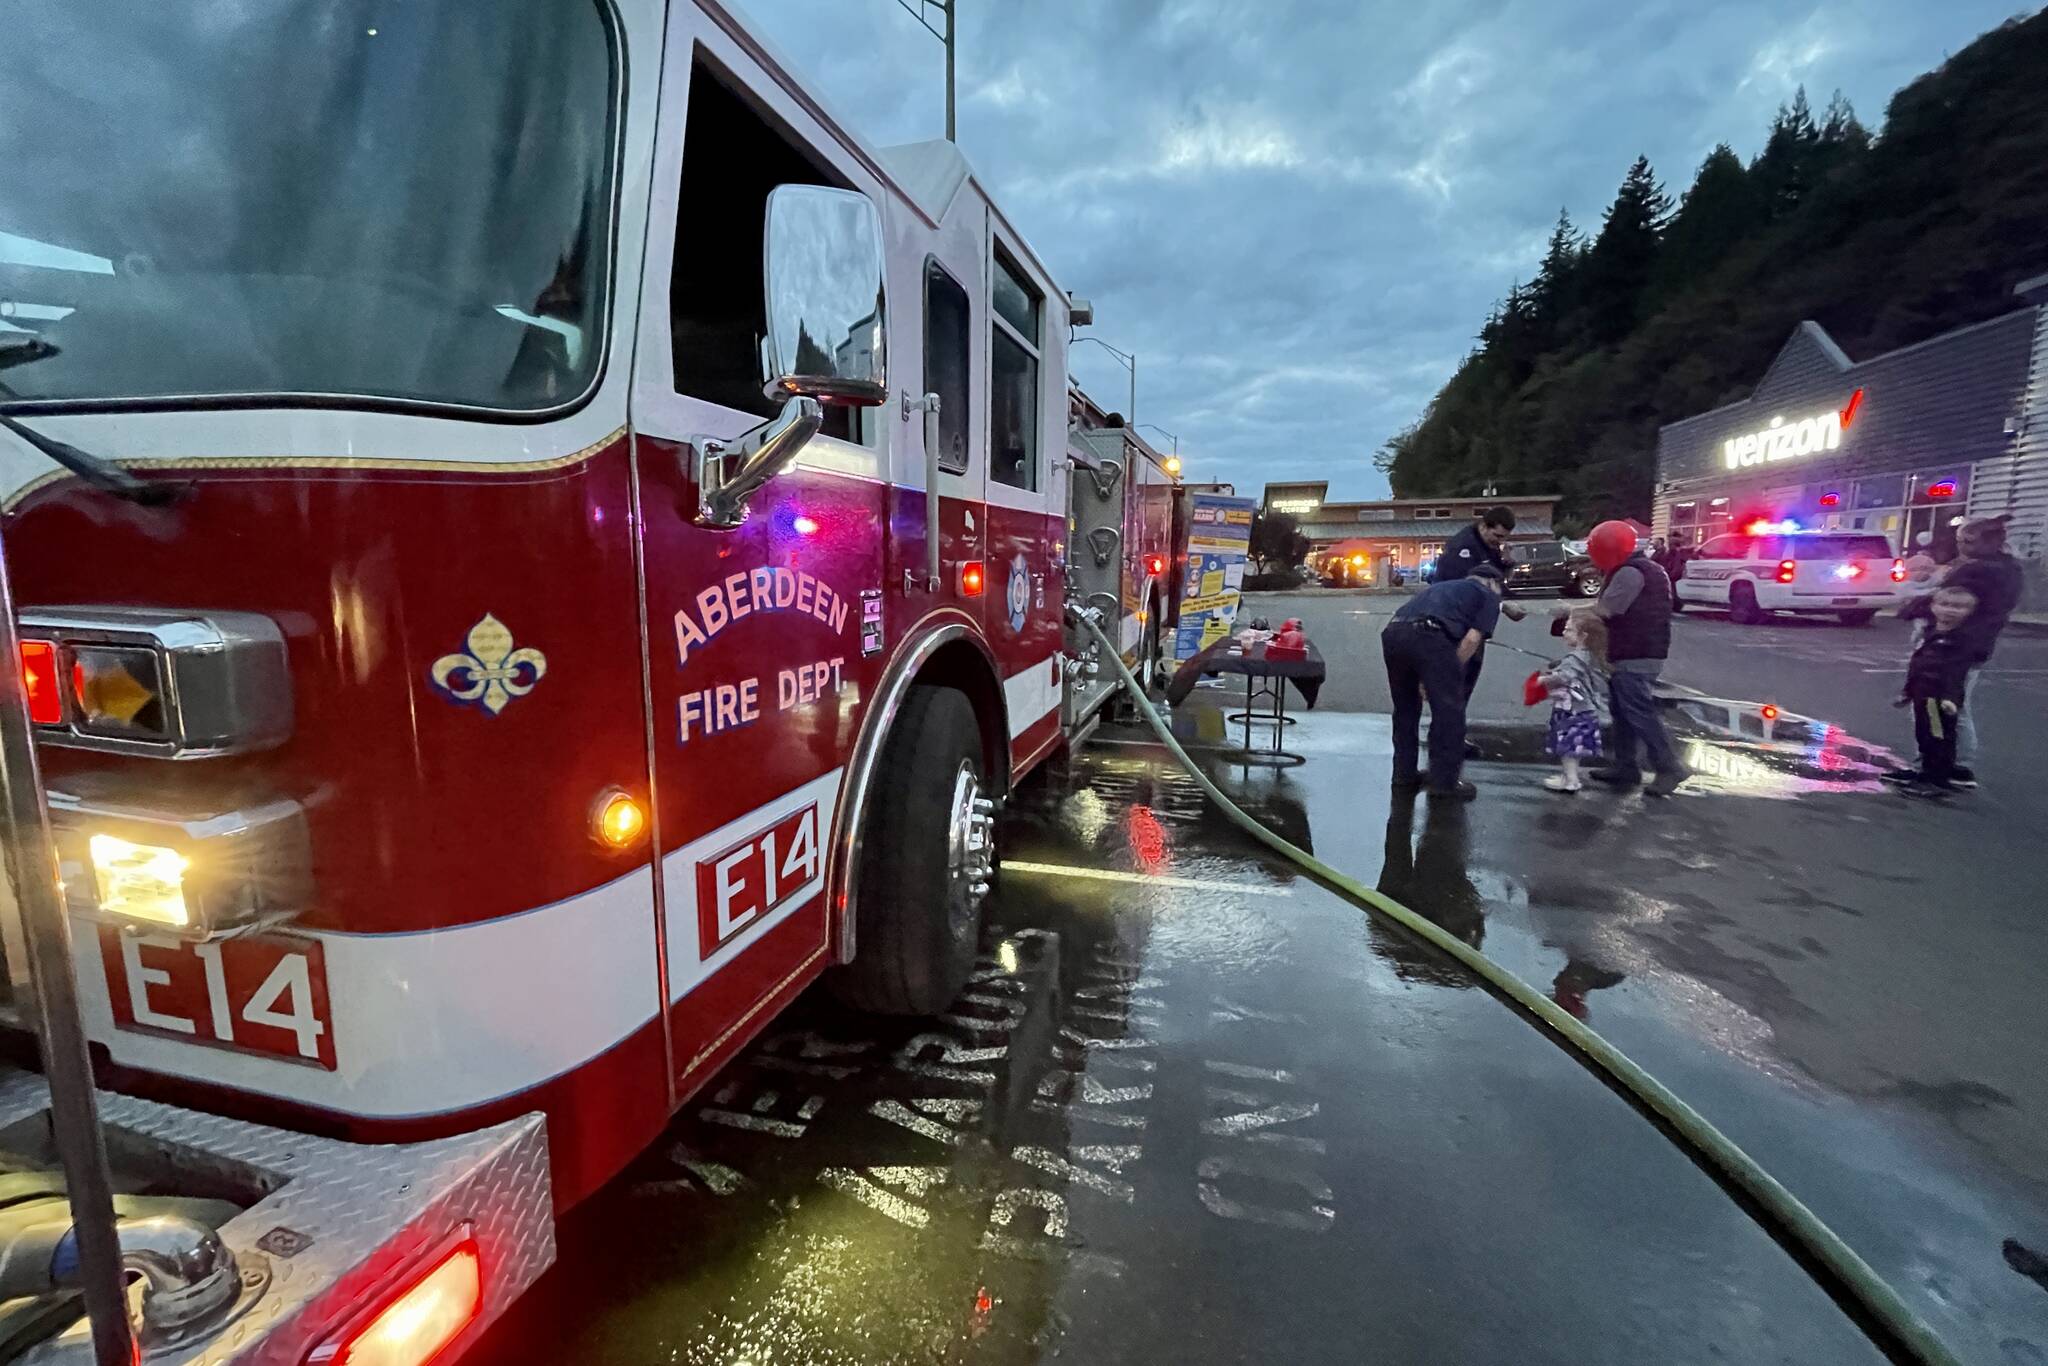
[[970, 843]]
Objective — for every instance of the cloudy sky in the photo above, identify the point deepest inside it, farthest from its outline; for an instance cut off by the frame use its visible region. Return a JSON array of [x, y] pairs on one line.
[[1297, 212]]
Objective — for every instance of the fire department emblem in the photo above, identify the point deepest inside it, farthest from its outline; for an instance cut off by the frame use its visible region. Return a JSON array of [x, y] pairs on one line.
[[490, 673], [1017, 594]]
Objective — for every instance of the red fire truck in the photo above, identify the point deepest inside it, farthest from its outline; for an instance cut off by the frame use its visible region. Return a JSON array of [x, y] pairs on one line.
[[530, 545]]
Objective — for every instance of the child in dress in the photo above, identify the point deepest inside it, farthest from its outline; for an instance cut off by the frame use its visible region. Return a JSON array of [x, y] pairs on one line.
[[1575, 684]]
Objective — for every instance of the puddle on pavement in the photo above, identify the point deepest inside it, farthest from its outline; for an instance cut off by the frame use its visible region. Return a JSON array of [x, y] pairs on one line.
[[1142, 1134], [1751, 749], [1734, 747]]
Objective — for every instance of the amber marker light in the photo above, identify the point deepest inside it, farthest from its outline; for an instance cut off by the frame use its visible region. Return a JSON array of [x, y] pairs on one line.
[[618, 821]]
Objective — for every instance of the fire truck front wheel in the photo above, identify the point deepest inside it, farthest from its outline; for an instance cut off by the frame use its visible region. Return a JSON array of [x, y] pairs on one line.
[[927, 858]]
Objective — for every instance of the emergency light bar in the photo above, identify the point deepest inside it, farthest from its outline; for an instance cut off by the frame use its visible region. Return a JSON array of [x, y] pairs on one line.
[[166, 684]]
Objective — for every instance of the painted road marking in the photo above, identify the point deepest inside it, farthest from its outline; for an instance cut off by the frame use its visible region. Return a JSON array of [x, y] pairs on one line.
[[1259, 1173], [717, 1178], [951, 1060], [1248, 1073], [897, 1113], [1050, 1162], [1316, 1218], [1229, 1012], [869, 1185], [1261, 1116], [726, 1108]]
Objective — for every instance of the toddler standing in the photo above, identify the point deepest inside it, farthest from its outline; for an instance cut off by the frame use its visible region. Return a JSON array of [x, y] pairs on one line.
[[1575, 684], [1936, 677]]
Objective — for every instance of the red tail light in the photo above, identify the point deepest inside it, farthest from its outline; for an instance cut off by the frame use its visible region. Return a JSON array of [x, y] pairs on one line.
[[972, 579], [413, 1327], [1786, 570], [1898, 571], [40, 679], [1155, 564], [1769, 712]]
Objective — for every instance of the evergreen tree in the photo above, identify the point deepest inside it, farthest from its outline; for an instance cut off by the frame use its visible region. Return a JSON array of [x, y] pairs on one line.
[[1619, 266], [1840, 141], [1840, 128], [1554, 294], [1784, 170], [1719, 211], [1884, 240]]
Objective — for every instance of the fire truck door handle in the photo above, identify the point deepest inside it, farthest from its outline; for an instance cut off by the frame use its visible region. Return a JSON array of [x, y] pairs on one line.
[[930, 406], [1103, 541]]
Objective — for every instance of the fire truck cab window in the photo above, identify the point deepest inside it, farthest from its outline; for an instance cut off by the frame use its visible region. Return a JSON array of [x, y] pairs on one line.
[[732, 157], [1013, 378], [948, 328], [312, 198]]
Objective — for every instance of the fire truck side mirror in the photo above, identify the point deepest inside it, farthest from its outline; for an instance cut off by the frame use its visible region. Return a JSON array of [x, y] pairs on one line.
[[826, 342], [823, 258]]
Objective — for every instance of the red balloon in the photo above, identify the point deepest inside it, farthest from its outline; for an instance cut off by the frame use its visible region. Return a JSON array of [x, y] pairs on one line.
[[1609, 544]]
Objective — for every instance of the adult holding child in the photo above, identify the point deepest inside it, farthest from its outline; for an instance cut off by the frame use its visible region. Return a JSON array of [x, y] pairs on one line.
[[1635, 604]]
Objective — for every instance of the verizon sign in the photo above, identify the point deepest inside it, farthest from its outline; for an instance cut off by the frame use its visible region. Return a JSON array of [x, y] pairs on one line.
[[1784, 440]]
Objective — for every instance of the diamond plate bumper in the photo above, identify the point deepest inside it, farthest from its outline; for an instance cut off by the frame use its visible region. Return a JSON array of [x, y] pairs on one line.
[[335, 1222]]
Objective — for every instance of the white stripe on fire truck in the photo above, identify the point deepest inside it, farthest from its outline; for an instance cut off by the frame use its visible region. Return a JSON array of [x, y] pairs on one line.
[[1030, 694], [688, 967], [442, 1020]]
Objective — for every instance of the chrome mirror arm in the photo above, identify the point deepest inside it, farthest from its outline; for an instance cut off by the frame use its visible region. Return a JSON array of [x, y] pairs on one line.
[[728, 473]]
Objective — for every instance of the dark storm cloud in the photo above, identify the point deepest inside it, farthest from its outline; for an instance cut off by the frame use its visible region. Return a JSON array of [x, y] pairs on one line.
[[1296, 215]]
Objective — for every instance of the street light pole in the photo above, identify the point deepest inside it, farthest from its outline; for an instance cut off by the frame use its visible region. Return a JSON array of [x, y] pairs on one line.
[[1163, 432], [949, 8], [1130, 363]]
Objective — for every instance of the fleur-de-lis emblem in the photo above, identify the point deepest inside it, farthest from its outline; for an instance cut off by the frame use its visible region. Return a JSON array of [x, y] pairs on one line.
[[492, 673]]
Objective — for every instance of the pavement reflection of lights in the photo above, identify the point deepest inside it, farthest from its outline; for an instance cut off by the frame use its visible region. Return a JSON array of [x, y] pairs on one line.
[[1736, 769], [1141, 879], [1148, 838], [1086, 814]]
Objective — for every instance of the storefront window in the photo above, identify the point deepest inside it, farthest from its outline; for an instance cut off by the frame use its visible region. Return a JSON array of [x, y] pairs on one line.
[[1684, 514], [1934, 487], [1887, 492]]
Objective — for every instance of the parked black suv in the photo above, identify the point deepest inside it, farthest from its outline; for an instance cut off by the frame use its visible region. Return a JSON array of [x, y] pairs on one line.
[[1547, 567]]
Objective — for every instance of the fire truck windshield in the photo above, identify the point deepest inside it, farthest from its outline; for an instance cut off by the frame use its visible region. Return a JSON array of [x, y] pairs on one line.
[[384, 201]]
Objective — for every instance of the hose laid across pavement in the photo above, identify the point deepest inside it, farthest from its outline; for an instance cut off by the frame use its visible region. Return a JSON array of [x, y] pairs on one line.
[[1873, 1303]]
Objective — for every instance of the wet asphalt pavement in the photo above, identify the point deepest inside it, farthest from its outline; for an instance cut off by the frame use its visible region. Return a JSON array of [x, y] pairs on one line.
[[1195, 1108]]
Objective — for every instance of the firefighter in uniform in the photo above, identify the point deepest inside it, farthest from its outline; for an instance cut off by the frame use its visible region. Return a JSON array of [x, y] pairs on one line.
[[1427, 645], [1479, 543]]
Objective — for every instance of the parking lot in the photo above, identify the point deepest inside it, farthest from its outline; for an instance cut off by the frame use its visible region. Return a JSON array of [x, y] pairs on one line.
[[1196, 1108]]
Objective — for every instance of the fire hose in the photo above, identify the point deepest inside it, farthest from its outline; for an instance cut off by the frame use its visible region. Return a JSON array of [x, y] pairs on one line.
[[1867, 1297]]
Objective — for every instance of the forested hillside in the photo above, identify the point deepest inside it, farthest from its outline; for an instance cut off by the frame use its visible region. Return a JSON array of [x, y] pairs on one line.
[[1671, 308]]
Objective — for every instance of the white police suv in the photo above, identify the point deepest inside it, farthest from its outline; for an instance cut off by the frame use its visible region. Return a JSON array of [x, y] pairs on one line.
[[1851, 575]]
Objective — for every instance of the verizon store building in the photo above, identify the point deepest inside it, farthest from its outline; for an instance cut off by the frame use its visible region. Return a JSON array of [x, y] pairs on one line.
[[1913, 440]]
